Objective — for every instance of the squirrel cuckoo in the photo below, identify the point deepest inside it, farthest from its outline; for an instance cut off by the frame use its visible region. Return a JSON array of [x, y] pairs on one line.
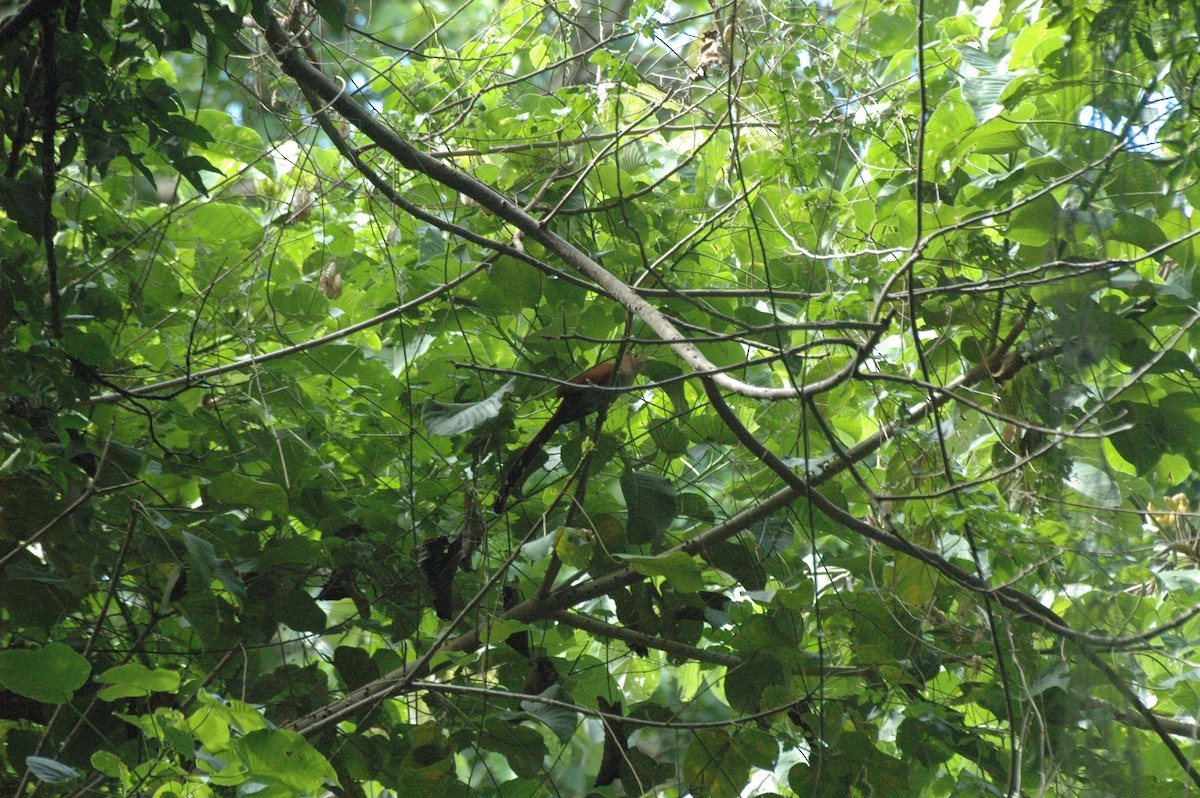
[[583, 395]]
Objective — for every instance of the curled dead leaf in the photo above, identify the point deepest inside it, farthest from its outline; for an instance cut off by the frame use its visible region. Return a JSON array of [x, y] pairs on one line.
[[330, 282]]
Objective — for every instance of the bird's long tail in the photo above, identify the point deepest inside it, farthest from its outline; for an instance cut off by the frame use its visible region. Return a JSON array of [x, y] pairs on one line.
[[520, 466]]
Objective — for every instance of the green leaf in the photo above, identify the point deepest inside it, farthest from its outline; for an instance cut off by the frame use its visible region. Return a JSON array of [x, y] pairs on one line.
[[51, 771], [1094, 484], [681, 571], [522, 747], [925, 737], [713, 766], [236, 490], [540, 548], [50, 674], [745, 684], [774, 534], [840, 768], [1138, 230], [21, 200], [758, 748], [888, 33], [202, 557], [1185, 581], [1146, 440], [511, 286], [1035, 223], [285, 759], [454, 419], [111, 765], [136, 680], [693, 505], [670, 439], [574, 548], [302, 302], [652, 505], [333, 12], [983, 92], [355, 666], [560, 720], [739, 559], [399, 359], [204, 565], [978, 59], [87, 347], [220, 224], [275, 599]]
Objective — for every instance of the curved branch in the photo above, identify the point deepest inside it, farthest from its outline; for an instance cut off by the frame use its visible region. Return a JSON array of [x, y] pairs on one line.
[[1000, 365], [293, 63], [1023, 604], [599, 628]]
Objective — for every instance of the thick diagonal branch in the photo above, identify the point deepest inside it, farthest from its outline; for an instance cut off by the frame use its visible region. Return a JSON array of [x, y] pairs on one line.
[[296, 66]]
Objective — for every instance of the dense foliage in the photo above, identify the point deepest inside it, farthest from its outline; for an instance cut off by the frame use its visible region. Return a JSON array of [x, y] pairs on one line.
[[900, 507]]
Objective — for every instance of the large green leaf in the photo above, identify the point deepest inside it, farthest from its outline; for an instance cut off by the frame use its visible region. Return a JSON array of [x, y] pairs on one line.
[[134, 679], [50, 674], [652, 505], [237, 490], [283, 758], [457, 418], [677, 568]]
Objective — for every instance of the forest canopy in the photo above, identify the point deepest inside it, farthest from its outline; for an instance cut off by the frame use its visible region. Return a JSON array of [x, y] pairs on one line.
[[573, 398]]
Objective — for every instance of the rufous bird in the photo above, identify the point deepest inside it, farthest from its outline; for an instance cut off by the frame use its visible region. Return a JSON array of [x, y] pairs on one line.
[[583, 395]]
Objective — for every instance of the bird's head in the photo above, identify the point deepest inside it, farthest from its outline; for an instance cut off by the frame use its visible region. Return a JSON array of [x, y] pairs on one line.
[[634, 362]]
